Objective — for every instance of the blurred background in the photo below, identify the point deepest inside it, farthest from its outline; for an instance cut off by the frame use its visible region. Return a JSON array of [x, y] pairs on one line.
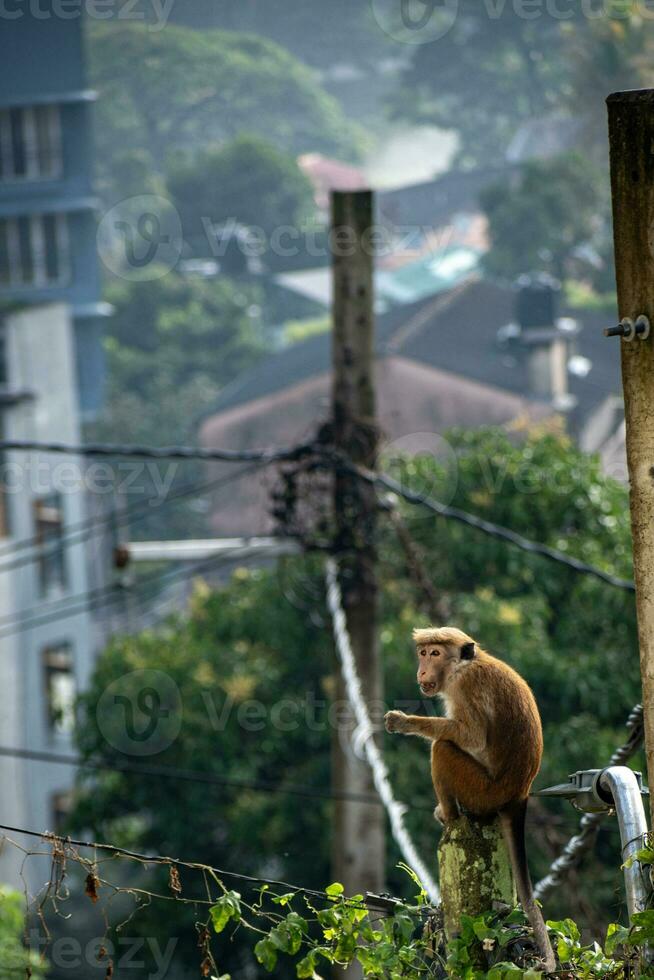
[[165, 279]]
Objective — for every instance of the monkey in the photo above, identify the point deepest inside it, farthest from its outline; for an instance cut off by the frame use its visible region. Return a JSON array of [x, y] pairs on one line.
[[486, 751]]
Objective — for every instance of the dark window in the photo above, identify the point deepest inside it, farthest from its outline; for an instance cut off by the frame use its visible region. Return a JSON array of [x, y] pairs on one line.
[[62, 804], [51, 242], [46, 127], [18, 153], [30, 143], [25, 250], [34, 250], [52, 553], [5, 274], [60, 689]]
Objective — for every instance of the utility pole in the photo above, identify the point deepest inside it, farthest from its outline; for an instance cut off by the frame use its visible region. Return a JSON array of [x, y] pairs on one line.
[[358, 828], [631, 138]]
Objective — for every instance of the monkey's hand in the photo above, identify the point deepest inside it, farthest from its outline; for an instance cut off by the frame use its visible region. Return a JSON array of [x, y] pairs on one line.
[[397, 721]]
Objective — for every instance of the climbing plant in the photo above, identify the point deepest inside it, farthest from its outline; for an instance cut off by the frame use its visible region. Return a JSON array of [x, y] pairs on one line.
[[408, 941]]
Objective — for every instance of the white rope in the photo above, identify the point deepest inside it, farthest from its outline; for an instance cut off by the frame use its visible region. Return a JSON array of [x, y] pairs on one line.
[[364, 736]]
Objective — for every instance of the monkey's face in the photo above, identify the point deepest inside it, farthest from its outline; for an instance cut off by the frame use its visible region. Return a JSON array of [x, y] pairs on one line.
[[436, 664]]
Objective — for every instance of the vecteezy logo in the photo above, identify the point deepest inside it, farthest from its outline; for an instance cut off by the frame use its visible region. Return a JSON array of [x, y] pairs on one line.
[[415, 21], [423, 464], [140, 713], [140, 237]]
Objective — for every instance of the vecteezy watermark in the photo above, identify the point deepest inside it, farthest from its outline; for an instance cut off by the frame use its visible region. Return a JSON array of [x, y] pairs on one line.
[[423, 21], [153, 13], [140, 238], [415, 21], [140, 713], [68, 953], [423, 463], [40, 476]]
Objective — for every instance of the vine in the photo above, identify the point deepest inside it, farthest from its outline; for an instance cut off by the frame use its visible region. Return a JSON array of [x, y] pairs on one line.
[[408, 941]]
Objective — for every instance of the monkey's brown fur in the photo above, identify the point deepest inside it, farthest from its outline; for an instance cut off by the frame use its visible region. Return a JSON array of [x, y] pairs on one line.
[[487, 750]]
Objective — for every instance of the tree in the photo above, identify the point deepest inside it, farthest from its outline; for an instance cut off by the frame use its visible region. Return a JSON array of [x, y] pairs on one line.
[[490, 71], [251, 660], [247, 180], [542, 217], [607, 55], [183, 89], [15, 959], [173, 342]]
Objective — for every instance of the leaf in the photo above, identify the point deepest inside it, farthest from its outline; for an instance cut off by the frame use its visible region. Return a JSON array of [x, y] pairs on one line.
[[566, 927], [284, 899], [266, 953], [616, 935], [91, 886], [174, 882], [334, 890], [643, 928], [644, 856], [226, 908]]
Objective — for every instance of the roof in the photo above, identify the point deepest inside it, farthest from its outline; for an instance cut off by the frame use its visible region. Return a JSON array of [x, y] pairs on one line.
[[414, 401], [326, 174], [433, 273], [434, 203], [455, 332]]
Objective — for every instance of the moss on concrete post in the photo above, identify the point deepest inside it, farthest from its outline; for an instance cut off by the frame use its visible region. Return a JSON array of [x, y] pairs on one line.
[[475, 870]]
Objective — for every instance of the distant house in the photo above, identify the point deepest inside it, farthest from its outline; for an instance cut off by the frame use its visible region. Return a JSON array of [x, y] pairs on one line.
[[457, 359], [325, 175]]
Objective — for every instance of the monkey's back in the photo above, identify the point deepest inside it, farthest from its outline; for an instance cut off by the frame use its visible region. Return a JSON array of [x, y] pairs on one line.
[[514, 735]]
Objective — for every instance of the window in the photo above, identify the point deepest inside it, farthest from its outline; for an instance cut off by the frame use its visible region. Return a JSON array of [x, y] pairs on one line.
[[34, 250], [60, 691], [61, 804], [52, 554], [30, 143]]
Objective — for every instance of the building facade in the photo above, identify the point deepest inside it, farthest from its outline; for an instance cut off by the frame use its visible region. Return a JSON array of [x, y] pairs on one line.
[[47, 207], [50, 379]]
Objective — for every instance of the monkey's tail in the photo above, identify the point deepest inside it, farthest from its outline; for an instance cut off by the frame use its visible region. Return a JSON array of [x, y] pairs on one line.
[[513, 827]]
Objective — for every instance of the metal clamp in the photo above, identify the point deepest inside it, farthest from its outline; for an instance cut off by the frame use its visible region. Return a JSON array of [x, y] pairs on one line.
[[628, 329], [618, 790]]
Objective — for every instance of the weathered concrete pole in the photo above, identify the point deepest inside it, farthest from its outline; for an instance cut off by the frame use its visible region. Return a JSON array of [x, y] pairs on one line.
[[631, 138], [475, 870]]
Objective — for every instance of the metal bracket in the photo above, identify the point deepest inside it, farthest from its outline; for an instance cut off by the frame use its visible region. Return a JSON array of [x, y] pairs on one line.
[[629, 330], [619, 790], [584, 791]]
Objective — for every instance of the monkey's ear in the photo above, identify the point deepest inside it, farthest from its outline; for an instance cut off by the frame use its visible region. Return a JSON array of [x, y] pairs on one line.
[[468, 651]]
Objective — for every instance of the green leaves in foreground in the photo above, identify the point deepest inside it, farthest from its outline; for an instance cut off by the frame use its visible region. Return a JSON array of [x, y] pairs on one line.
[[408, 941]]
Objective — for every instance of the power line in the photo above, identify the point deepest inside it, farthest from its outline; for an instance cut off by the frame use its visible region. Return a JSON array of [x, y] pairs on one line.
[[370, 902], [81, 530], [190, 776], [96, 598], [69, 602], [495, 530], [272, 455]]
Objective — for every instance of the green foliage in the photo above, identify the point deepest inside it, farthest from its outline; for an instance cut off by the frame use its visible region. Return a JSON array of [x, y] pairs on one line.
[[180, 88], [484, 77], [586, 961], [15, 960], [174, 342], [408, 942], [247, 180], [538, 220], [255, 672]]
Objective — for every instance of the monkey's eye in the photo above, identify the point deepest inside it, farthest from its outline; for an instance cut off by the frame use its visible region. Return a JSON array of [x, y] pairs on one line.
[[434, 653]]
